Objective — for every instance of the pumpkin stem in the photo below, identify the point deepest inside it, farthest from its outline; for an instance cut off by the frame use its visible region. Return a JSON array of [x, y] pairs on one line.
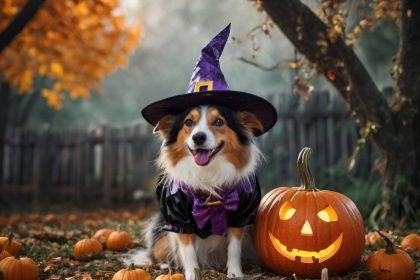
[[10, 238], [306, 179], [131, 266], [119, 227], [389, 245], [17, 255]]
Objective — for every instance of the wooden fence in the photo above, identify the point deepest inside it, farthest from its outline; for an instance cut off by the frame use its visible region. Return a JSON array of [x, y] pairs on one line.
[[96, 166], [111, 166], [320, 121]]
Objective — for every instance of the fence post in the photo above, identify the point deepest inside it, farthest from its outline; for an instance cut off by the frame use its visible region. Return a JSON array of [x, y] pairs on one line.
[[107, 165], [38, 168]]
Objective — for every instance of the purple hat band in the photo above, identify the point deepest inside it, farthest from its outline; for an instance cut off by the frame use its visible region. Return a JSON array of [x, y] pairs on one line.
[[207, 75]]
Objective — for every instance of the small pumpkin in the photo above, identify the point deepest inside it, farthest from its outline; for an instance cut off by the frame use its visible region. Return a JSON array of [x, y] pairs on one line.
[[301, 230], [103, 234], [9, 244], [51, 218], [390, 263], [372, 237], [87, 248], [19, 269], [119, 240], [131, 273], [4, 254], [411, 241], [176, 276]]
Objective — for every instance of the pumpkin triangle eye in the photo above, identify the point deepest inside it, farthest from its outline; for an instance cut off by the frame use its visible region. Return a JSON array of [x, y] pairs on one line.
[[328, 214], [286, 211]]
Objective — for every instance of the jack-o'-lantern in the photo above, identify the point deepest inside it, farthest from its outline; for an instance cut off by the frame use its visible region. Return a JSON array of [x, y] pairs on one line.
[[303, 229]]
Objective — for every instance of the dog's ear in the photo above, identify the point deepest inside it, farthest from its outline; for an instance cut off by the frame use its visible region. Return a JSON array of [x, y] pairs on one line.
[[250, 122], [164, 126]]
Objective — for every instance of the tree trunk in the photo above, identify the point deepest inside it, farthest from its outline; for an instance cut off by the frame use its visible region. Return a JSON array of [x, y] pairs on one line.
[[402, 165], [19, 22], [5, 94], [392, 131], [402, 170]]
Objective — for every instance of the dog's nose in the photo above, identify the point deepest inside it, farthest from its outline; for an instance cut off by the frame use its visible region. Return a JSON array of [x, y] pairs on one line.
[[199, 138]]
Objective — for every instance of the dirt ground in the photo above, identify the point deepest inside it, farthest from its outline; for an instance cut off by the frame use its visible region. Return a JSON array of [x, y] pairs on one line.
[[49, 240]]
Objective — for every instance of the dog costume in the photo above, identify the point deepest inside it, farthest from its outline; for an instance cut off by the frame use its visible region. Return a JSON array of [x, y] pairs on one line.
[[183, 210]]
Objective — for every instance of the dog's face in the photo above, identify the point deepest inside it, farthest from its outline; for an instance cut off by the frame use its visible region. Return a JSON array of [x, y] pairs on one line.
[[208, 146]]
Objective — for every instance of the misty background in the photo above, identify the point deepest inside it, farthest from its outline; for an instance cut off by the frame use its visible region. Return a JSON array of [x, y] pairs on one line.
[[174, 33]]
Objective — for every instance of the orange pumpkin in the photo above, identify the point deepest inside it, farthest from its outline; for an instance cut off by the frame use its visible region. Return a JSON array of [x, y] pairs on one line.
[[119, 240], [411, 241], [303, 229], [373, 237], [8, 244], [176, 276], [103, 234], [3, 253], [390, 263], [87, 248], [18, 269], [131, 273]]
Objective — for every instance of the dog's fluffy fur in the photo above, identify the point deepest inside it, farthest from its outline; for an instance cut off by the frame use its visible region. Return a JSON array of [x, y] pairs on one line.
[[225, 155]]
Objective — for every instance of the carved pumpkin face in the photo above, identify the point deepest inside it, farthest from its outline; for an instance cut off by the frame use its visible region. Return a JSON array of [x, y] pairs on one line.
[[301, 230], [324, 221]]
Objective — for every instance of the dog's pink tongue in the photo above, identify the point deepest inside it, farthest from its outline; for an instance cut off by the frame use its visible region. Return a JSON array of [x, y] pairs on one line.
[[202, 157]]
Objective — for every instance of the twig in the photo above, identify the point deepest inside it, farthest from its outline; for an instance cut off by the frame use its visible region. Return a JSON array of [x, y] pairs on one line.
[[262, 67]]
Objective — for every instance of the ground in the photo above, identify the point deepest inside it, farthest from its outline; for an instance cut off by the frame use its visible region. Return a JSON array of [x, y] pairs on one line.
[[49, 240]]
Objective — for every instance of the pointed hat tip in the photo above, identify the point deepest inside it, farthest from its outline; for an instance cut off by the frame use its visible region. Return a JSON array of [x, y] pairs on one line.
[[225, 32], [207, 68], [217, 44]]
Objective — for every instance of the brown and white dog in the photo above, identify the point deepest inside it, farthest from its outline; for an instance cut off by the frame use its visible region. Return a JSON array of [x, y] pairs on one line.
[[210, 149]]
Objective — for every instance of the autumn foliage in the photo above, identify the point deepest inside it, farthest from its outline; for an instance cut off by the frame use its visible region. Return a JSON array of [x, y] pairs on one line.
[[73, 43]]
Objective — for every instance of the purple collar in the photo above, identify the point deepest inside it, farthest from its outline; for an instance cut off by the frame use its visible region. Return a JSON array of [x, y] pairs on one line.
[[208, 207]]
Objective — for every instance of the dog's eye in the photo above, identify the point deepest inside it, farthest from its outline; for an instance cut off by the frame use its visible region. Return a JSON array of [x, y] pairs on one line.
[[219, 122], [188, 122]]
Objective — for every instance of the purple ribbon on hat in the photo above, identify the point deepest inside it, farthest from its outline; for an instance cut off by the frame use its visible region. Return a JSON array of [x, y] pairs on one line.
[[210, 208]]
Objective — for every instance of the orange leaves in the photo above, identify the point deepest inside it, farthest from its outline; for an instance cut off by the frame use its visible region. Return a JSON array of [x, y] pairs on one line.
[[386, 9], [54, 98], [9, 8], [73, 43], [81, 9], [56, 69], [330, 75]]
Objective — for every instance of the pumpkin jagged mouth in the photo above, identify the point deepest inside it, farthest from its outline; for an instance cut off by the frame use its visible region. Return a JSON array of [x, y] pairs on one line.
[[307, 256]]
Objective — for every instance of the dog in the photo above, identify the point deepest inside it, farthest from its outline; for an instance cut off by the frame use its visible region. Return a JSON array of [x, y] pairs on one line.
[[206, 151], [208, 192]]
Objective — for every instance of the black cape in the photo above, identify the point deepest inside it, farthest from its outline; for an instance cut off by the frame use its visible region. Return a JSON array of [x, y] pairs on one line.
[[176, 209]]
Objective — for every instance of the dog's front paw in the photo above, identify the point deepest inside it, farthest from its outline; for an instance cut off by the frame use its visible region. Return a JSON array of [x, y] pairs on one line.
[[235, 273], [192, 274]]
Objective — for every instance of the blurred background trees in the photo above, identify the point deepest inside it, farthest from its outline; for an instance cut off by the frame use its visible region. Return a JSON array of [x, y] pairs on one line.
[[62, 48]]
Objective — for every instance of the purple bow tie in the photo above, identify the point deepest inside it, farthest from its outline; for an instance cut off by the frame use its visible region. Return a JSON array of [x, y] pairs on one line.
[[214, 209], [207, 207]]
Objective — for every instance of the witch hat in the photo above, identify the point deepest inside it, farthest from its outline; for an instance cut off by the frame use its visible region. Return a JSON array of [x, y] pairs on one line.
[[209, 87]]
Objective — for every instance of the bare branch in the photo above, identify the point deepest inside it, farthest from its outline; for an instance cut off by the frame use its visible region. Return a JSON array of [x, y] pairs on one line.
[[263, 67], [309, 35]]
